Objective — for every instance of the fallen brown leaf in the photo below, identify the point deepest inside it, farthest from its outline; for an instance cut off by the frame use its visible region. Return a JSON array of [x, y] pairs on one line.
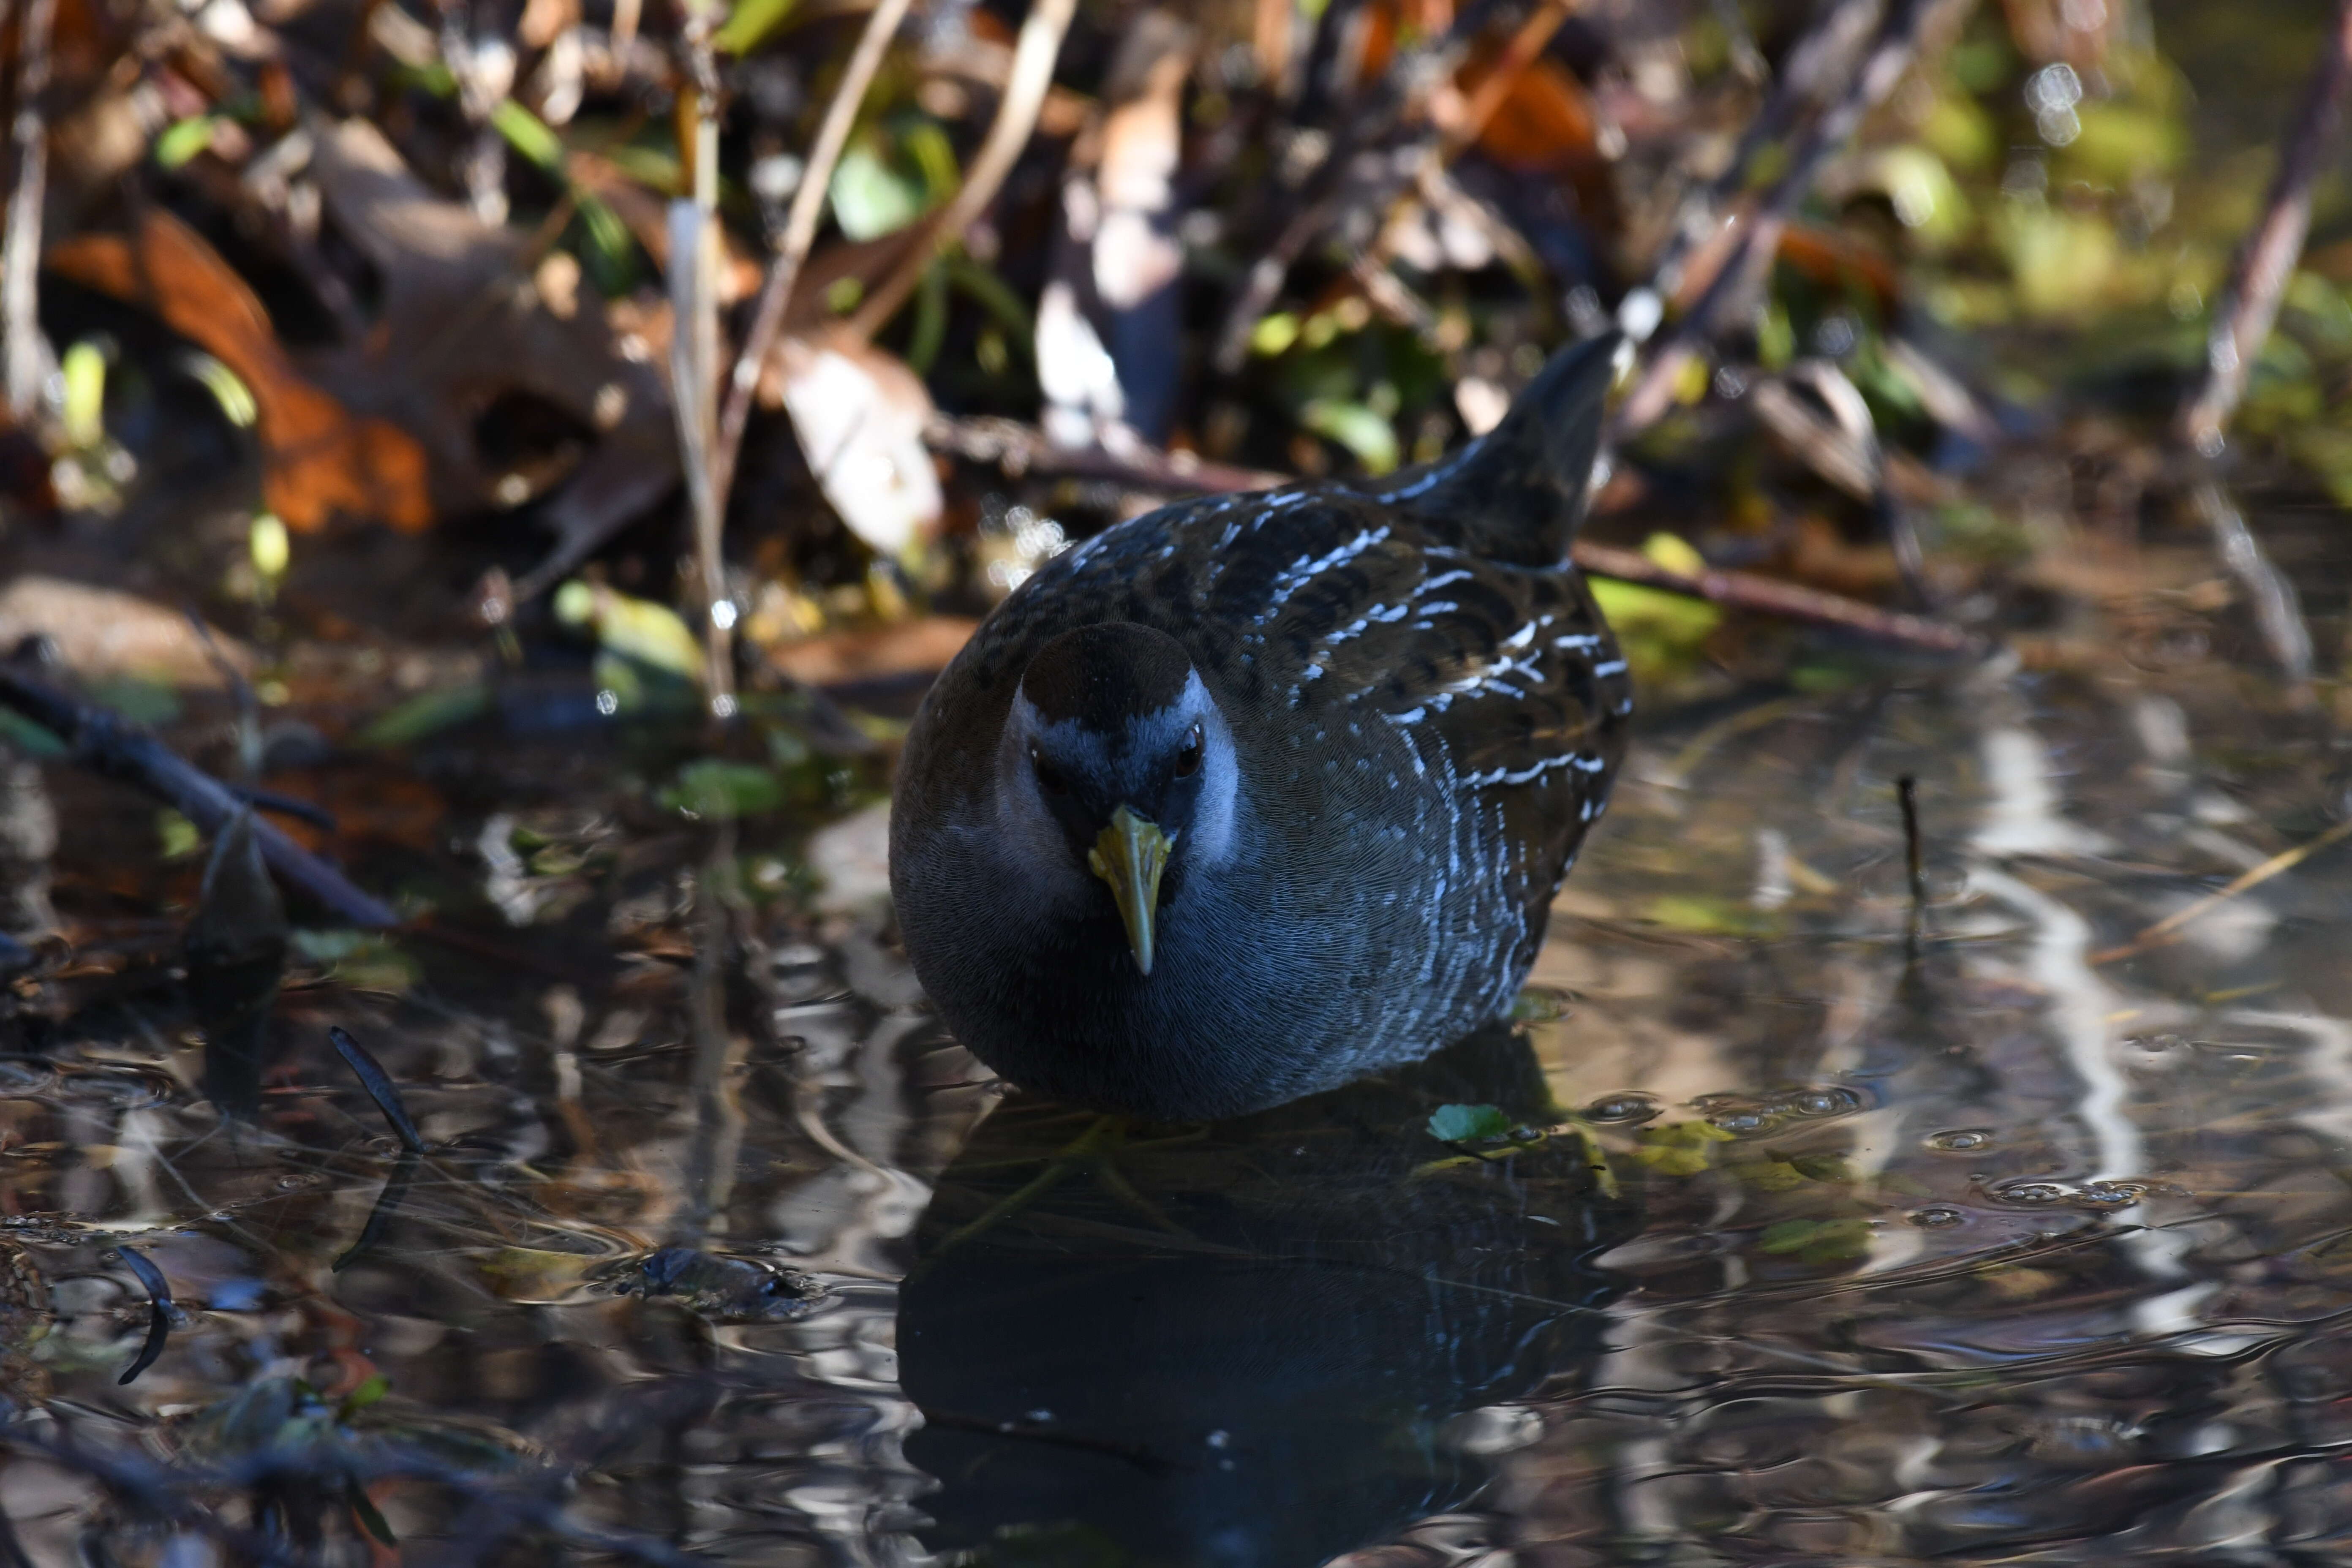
[[319, 461], [873, 653], [103, 632], [860, 413]]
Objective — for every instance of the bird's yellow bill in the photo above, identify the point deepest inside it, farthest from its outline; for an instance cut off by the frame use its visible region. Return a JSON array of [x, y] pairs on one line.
[[1129, 855]]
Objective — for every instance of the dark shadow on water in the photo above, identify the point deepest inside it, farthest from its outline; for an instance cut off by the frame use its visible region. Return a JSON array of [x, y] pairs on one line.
[[1248, 1343]]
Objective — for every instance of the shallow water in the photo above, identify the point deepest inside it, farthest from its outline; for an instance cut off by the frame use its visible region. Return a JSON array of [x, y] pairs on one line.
[[2008, 1234]]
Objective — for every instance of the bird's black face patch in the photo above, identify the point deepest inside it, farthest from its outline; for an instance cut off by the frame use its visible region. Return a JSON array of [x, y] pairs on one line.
[[1103, 677]]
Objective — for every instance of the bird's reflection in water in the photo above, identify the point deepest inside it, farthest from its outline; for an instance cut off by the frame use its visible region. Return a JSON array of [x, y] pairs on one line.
[[1253, 1342]]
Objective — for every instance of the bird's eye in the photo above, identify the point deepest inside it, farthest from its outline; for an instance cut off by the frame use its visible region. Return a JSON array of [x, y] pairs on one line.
[[1188, 761], [1049, 777]]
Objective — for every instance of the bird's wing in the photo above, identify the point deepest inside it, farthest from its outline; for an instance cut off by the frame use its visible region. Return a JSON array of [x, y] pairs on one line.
[[1346, 609]]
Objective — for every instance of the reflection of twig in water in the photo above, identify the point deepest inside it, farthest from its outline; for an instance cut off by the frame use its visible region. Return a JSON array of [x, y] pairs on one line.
[[387, 1207], [528, 1502], [2278, 612], [718, 1117], [2166, 929], [109, 746], [1142, 1459], [159, 1310], [1086, 1150], [1906, 791], [379, 1085]]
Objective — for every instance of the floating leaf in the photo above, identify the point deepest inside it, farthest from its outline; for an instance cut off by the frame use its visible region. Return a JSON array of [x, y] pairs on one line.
[[724, 790], [1467, 1123], [427, 713]]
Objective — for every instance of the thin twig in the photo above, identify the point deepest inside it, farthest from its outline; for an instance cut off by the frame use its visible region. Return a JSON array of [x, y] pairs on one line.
[[1788, 601], [1018, 448], [2165, 929], [1025, 85], [110, 745], [2243, 315], [800, 233], [1745, 268], [20, 255], [694, 359], [1822, 55]]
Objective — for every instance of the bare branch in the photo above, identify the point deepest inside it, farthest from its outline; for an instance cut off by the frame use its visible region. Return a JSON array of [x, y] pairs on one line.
[[800, 233], [2243, 315], [1018, 449], [1034, 54]]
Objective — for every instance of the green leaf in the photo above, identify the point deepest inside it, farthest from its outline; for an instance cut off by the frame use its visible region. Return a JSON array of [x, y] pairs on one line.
[[236, 399], [182, 140], [869, 198], [528, 135], [84, 413], [724, 790], [1355, 427], [1467, 1123], [179, 836], [611, 253], [748, 24], [369, 1520], [427, 713], [26, 739], [366, 1394], [994, 295]]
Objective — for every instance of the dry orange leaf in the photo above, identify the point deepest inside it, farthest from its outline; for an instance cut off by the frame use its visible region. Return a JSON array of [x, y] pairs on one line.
[[873, 653], [1544, 123], [319, 461], [1835, 260]]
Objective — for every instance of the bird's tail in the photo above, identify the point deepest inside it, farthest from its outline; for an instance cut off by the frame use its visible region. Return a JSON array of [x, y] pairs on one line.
[[1523, 487]]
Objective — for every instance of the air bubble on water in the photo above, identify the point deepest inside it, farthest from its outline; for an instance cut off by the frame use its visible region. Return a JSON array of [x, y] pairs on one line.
[[2034, 1192]]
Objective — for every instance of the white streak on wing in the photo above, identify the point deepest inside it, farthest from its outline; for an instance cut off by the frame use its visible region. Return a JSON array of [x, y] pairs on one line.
[[1576, 760], [1306, 568], [1274, 501], [1441, 580], [1437, 475], [1579, 640], [1384, 615], [1612, 666]]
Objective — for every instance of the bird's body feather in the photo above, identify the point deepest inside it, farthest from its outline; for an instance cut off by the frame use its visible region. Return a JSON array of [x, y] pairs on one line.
[[1427, 710]]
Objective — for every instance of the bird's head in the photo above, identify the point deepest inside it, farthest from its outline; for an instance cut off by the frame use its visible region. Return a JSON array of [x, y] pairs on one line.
[[1117, 764]]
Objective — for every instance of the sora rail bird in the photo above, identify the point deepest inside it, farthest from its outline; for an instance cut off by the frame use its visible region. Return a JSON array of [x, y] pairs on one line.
[[1250, 796]]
